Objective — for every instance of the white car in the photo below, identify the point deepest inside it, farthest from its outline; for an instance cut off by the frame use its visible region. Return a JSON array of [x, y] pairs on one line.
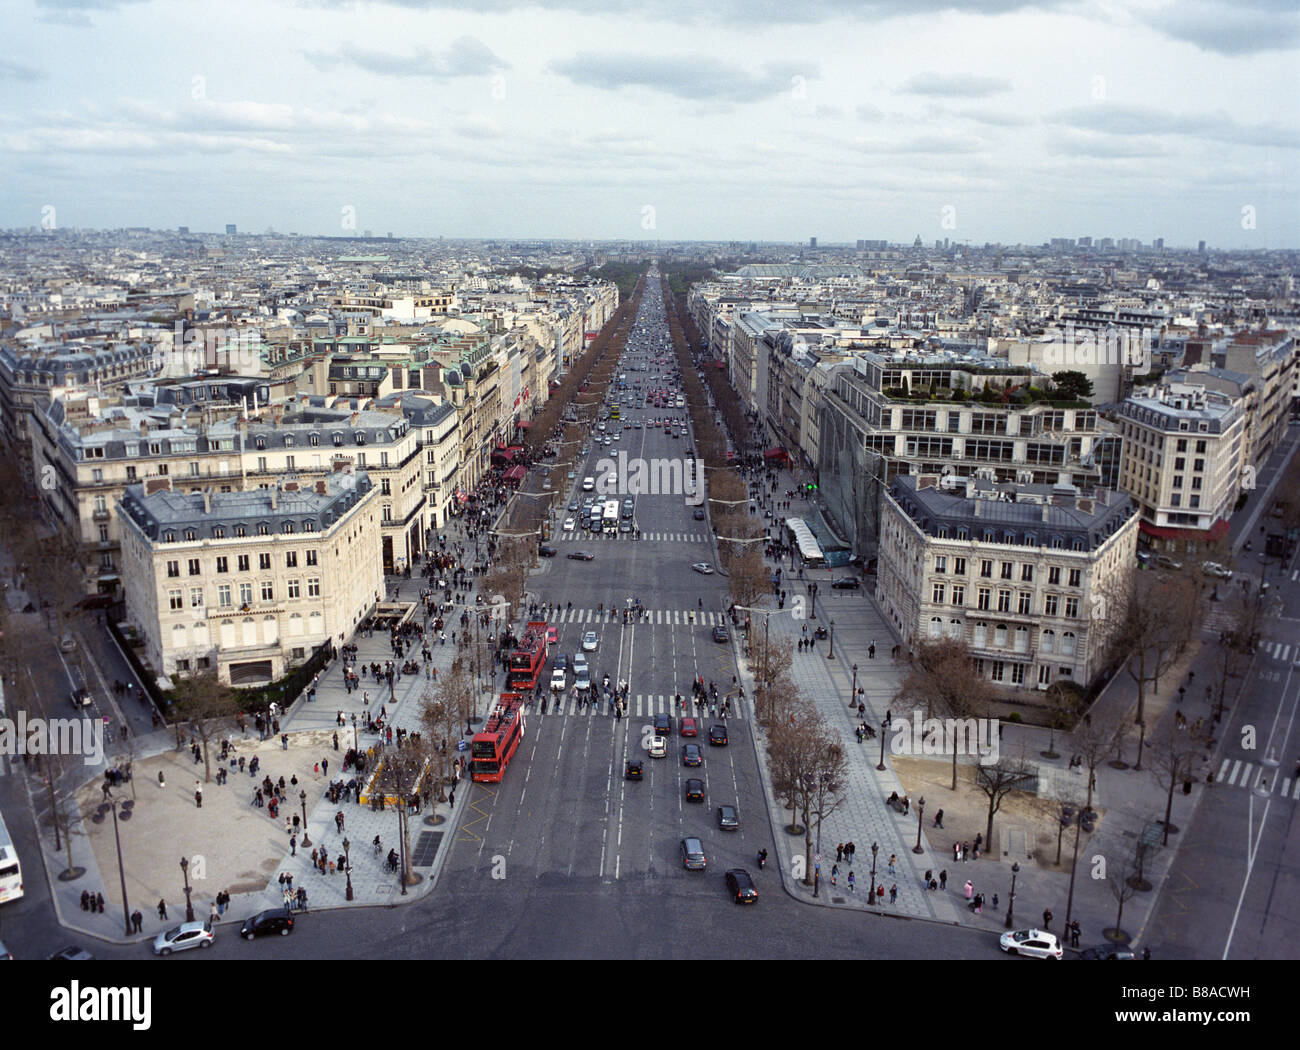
[[1035, 943], [703, 567], [1213, 568], [570, 524], [579, 663], [186, 935], [558, 680], [589, 642], [582, 680], [658, 747]]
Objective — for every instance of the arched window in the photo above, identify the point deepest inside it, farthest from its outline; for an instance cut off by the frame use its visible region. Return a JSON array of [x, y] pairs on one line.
[[1022, 639], [936, 626], [1000, 636], [1048, 641], [1067, 643]]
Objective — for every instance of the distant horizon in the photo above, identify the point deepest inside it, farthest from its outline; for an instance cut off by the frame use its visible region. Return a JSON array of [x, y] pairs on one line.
[[740, 243]]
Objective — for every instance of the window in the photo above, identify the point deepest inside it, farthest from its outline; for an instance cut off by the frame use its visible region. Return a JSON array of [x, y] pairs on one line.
[[1067, 643], [1007, 569], [268, 591], [1076, 577], [937, 593], [1004, 601], [1048, 641], [218, 533], [261, 464], [384, 487], [290, 559], [264, 561], [223, 595], [1072, 608], [242, 562], [193, 567], [1026, 573], [223, 564], [173, 568], [1022, 640], [309, 526], [1025, 602], [289, 463], [999, 669], [959, 595], [313, 587], [1017, 674], [196, 597], [130, 473], [240, 532], [983, 597], [176, 600], [245, 594], [1050, 605], [940, 563], [1180, 463], [101, 505], [295, 589], [311, 557], [1054, 576], [979, 638], [263, 529], [936, 626], [97, 475], [986, 570], [194, 470], [103, 534], [959, 566]]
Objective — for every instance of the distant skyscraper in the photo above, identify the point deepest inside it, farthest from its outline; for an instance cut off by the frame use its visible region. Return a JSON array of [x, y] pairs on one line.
[[182, 229], [1158, 244], [1200, 247], [230, 228], [812, 242], [368, 233]]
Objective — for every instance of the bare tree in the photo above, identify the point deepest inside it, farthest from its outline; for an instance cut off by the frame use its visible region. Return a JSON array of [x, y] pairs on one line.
[[440, 719], [1174, 754], [942, 678], [748, 577], [205, 705], [1123, 879], [997, 781], [1092, 739], [401, 774], [790, 749]]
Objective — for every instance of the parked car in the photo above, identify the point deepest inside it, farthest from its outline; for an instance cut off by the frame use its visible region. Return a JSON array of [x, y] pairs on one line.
[[266, 923], [1213, 568], [180, 938], [72, 953], [741, 887], [1037, 944], [699, 513], [1163, 561], [67, 643], [693, 858]]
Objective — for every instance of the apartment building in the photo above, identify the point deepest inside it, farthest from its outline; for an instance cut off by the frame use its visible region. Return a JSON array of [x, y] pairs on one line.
[[1269, 358], [1185, 448], [249, 583], [1022, 574]]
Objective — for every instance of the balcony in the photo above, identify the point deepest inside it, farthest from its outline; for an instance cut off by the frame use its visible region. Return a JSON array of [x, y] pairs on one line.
[[101, 515]]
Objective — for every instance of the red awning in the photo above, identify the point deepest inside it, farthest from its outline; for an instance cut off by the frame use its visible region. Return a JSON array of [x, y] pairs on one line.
[[1213, 534], [775, 453], [515, 474], [524, 424]]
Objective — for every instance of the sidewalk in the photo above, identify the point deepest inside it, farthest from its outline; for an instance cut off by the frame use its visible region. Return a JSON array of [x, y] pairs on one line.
[[1126, 800]]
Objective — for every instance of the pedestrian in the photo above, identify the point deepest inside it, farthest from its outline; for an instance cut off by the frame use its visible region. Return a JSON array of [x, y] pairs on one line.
[[893, 859], [85, 900], [938, 819], [213, 914], [893, 893], [325, 766], [293, 845], [839, 852], [929, 877], [852, 882], [451, 797], [162, 910], [880, 894], [969, 889], [1075, 934], [162, 780], [1047, 918], [336, 738], [137, 921], [198, 794], [956, 852]]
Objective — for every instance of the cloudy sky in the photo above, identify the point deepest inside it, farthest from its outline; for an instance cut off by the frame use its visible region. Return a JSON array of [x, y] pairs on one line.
[[658, 119]]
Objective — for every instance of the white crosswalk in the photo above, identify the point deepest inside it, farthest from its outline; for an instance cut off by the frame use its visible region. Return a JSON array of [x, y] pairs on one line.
[[679, 617], [661, 537], [1281, 651], [643, 705], [1253, 775]]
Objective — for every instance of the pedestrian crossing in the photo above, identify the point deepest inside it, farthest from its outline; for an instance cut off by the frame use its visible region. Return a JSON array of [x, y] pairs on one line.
[[679, 617], [641, 705], [660, 537], [1256, 776], [1280, 651]]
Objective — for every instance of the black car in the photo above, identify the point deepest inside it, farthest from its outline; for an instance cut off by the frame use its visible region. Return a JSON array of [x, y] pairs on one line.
[[663, 725], [634, 771], [699, 513], [1107, 951], [846, 583], [741, 887], [718, 735], [728, 818], [581, 556], [265, 923], [720, 634], [694, 790], [545, 551], [691, 755]]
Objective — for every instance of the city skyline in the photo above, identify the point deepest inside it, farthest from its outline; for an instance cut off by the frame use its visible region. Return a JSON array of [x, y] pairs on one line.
[[654, 121]]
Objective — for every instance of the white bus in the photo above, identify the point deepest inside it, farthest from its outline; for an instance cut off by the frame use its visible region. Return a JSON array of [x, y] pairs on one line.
[[611, 515], [11, 872]]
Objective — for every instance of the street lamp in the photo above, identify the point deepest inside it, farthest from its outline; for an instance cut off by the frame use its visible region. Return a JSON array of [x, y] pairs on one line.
[[302, 797], [884, 728], [355, 746], [875, 848], [853, 695], [920, 819], [831, 654], [347, 864], [812, 594], [121, 870], [1011, 901], [189, 907]]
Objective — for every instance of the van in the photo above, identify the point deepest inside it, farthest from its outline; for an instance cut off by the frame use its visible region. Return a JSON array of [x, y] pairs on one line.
[[588, 484]]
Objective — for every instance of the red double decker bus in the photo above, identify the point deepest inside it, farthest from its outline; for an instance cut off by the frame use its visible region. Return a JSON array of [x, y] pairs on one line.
[[492, 748], [528, 657]]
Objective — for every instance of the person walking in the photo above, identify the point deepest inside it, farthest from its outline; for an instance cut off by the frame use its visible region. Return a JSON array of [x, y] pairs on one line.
[[1047, 918], [839, 852], [852, 882], [213, 914], [162, 910], [893, 893], [893, 859], [198, 794], [943, 879], [938, 819], [969, 889]]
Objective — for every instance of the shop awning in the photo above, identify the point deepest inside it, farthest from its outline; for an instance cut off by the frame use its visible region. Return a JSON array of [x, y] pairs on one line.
[[515, 474], [1213, 534]]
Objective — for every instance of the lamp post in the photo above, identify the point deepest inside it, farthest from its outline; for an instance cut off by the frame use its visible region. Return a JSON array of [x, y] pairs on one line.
[[355, 745], [831, 654], [875, 848], [189, 907], [347, 864], [1011, 900], [920, 819], [853, 694], [884, 728], [302, 797], [121, 870], [812, 594]]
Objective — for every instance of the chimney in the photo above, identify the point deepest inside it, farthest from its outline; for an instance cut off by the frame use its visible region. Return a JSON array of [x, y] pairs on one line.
[[274, 492], [979, 503], [207, 501], [322, 488], [1047, 510]]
